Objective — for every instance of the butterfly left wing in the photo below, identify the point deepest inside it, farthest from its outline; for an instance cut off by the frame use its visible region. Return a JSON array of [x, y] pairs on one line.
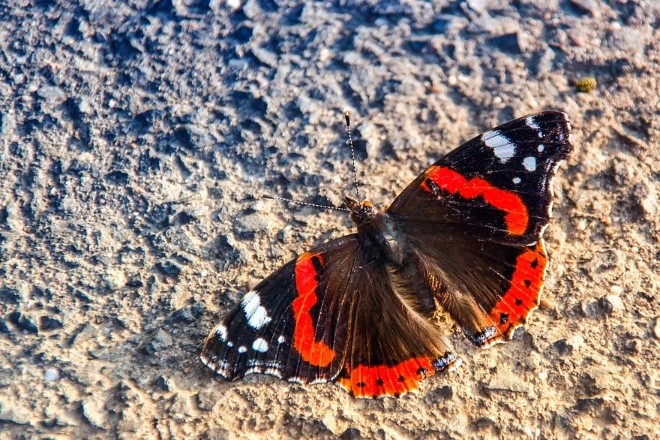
[[337, 312], [475, 220], [283, 327]]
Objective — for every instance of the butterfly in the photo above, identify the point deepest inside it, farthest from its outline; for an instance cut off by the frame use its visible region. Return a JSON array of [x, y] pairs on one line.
[[464, 238]]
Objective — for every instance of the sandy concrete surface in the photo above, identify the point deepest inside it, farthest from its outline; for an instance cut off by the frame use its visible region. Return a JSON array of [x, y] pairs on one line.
[[138, 137]]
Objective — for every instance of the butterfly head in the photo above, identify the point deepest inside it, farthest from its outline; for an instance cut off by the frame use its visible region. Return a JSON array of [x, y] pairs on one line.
[[361, 212]]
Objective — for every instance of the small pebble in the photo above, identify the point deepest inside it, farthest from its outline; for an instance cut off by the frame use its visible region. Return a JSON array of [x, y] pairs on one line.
[[164, 384], [656, 328], [649, 204], [589, 308], [632, 345], [93, 412], [616, 290], [51, 374], [330, 422], [587, 424], [233, 4], [532, 433], [575, 341], [612, 304], [582, 225], [585, 84], [566, 347], [115, 279]]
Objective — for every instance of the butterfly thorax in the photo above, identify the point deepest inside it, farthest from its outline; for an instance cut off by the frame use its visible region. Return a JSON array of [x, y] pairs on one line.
[[376, 229]]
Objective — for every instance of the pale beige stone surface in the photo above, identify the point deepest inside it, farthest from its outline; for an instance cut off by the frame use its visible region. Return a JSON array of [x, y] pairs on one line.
[[136, 140]]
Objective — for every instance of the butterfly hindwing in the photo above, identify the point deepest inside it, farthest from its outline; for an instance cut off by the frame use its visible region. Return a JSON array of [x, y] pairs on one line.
[[476, 216], [392, 343], [488, 288]]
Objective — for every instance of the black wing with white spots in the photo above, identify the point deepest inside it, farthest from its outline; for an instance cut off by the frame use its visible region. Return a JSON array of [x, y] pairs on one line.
[[519, 157]]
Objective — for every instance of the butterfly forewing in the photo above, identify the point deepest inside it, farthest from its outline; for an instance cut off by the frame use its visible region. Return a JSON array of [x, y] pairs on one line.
[[495, 186]]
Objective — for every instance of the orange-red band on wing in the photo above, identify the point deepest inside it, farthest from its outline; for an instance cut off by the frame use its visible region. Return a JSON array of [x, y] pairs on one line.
[[393, 380], [453, 182], [313, 352], [523, 295]]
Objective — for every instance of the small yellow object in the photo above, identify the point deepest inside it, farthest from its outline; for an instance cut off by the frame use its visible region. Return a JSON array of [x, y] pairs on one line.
[[585, 84]]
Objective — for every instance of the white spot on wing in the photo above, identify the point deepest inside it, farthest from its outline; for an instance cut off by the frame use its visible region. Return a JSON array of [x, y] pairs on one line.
[[260, 345], [516, 180], [221, 332], [529, 163], [540, 148], [274, 372], [242, 349], [254, 311], [221, 367], [317, 381], [230, 344], [502, 146], [280, 339], [531, 123]]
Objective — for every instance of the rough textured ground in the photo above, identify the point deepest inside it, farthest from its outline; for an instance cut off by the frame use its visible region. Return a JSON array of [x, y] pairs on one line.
[[137, 138]]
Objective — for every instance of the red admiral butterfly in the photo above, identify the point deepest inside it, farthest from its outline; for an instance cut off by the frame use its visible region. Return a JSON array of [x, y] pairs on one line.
[[464, 238]]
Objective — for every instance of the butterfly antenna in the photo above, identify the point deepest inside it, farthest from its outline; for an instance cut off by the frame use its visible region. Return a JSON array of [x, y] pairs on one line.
[[284, 199], [347, 117]]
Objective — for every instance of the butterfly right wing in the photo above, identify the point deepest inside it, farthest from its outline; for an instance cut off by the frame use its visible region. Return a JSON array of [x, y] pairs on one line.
[[336, 313], [475, 220]]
